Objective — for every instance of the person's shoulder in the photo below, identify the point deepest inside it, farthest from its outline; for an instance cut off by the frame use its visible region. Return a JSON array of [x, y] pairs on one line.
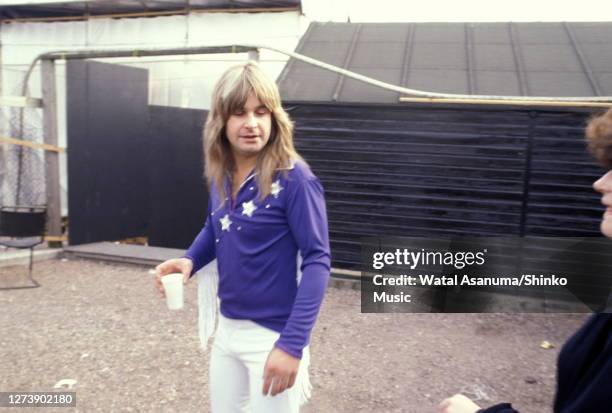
[[300, 171]]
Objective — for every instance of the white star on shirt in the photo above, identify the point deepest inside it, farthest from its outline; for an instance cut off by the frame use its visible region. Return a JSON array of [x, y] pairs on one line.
[[248, 208], [276, 188], [225, 223]]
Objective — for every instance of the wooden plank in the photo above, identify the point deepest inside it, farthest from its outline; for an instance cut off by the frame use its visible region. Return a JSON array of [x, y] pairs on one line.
[[20, 102], [477, 101], [50, 238], [52, 175], [126, 253], [33, 145]]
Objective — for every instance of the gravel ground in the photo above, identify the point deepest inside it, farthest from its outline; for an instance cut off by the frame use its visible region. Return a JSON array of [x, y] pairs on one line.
[[102, 325]]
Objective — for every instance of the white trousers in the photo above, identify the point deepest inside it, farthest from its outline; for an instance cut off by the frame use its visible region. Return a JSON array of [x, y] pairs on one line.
[[238, 357]]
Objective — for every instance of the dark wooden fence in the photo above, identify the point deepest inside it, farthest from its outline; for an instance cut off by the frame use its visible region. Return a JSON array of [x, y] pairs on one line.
[[446, 170]]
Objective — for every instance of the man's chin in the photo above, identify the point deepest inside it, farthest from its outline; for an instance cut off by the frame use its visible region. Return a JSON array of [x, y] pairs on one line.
[[250, 150]]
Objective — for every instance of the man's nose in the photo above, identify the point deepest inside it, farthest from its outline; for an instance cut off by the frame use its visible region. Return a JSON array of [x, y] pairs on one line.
[[250, 121]]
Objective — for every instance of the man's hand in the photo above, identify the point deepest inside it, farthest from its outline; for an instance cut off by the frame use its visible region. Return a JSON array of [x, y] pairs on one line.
[[182, 265], [458, 404], [280, 372]]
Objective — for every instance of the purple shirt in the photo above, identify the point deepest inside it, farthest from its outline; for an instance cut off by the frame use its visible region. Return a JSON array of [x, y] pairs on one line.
[[256, 244]]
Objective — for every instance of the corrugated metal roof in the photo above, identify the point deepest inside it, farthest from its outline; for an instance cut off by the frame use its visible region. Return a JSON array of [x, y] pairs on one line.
[[24, 9], [519, 59]]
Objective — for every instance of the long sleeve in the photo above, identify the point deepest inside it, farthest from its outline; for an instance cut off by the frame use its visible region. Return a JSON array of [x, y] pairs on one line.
[[202, 249], [307, 220]]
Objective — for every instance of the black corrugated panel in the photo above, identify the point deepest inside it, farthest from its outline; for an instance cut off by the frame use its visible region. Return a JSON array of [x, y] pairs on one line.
[[425, 170], [562, 201]]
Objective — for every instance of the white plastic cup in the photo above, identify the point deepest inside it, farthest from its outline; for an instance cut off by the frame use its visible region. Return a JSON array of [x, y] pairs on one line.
[[173, 286]]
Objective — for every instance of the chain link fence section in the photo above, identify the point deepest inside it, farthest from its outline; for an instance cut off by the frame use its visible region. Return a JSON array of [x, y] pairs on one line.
[[22, 170]]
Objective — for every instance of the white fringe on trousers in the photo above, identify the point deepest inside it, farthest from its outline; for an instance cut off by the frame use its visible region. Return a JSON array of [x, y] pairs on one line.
[[208, 310]]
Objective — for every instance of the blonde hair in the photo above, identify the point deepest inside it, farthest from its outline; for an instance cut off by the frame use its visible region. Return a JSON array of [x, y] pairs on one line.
[[229, 94]]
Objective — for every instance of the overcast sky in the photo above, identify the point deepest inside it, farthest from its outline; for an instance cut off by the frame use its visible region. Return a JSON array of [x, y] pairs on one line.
[[458, 10]]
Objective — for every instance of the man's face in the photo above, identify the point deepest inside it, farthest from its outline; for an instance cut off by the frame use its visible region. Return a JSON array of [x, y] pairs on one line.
[[248, 129]]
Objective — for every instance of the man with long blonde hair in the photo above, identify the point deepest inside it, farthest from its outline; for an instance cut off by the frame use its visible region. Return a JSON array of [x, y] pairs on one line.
[[267, 229]]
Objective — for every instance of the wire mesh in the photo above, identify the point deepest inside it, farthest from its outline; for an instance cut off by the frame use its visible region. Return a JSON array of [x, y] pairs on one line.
[[22, 169]]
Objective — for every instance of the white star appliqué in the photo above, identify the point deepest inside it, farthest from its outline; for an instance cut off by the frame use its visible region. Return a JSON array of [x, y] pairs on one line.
[[225, 223], [248, 208], [276, 188]]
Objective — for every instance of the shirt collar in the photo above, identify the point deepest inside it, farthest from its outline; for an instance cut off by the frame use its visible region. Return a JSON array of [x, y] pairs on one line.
[[251, 175]]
